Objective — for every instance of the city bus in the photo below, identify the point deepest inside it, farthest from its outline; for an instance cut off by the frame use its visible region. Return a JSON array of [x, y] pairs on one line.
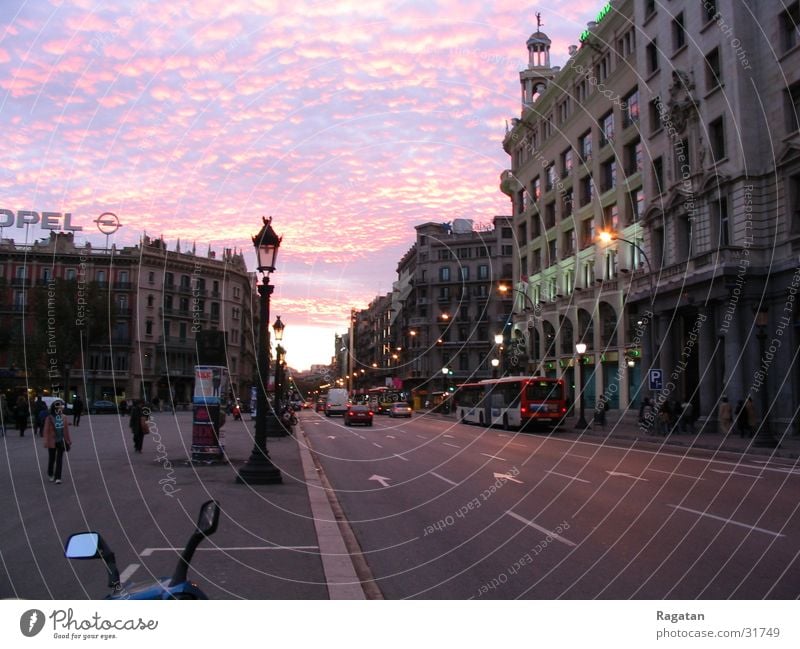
[[512, 402], [381, 399]]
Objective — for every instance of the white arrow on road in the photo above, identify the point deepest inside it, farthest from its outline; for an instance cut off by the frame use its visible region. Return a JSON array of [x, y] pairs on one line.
[[625, 475], [381, 479], [390, 437], [331, 436], [507, 476]]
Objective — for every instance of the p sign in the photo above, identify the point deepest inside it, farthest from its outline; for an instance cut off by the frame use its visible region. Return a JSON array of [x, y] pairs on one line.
[[656, 379]]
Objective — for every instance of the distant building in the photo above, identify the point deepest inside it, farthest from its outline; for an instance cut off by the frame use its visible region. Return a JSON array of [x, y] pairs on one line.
[[157, 299]]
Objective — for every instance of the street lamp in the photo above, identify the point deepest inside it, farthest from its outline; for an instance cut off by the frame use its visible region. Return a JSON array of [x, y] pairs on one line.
[[495, 365], [763, 437], [581, 349], [259, 468], [606, 236], [280, 355]]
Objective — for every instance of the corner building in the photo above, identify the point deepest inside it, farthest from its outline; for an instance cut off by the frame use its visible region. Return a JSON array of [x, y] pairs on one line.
[[675, 127]]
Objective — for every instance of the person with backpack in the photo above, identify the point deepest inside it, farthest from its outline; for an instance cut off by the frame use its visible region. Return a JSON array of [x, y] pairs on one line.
[[39, 415], [77, 410]]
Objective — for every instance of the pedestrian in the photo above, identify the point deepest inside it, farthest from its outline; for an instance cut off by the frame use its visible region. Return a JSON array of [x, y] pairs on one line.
[[741, 418], [137, 414], [725, 416], [56, 440], [5, 415], [77, 411], [600, 412], [22, 413], [39, 415], [750, 416], [646, 416]]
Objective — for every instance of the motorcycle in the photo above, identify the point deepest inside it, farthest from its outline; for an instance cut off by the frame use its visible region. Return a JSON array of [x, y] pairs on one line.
[[288, 417], [90, 545]]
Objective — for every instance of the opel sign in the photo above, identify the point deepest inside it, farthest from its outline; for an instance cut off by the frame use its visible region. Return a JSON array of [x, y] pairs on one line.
[[47, 220]]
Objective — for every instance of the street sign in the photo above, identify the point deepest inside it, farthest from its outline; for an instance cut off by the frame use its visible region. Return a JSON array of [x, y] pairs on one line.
[[656, 379]]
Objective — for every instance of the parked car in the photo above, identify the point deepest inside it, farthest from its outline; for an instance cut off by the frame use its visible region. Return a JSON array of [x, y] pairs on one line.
[[102, 406], [400, 409], [358, 414]]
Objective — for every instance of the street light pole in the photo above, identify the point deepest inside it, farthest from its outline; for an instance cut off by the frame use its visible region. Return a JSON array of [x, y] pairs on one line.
[[280, 353], [581, 423], [259, 468]]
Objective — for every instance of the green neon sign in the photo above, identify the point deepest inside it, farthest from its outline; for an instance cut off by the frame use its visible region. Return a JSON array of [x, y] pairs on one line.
[[603, 13]]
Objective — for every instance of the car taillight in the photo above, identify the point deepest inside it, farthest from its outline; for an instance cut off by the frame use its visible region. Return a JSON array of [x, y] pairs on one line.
[[371, 413], [522, 409], [351, 413]]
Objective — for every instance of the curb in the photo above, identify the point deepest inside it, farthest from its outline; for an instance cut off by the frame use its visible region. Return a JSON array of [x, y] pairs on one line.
[[339, 551]]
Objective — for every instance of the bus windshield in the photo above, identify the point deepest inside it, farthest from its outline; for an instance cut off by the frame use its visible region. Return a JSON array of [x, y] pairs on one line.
[[543, 391]]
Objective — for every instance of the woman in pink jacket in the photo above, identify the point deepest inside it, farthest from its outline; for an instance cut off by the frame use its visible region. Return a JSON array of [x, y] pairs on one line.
[[56, 440]]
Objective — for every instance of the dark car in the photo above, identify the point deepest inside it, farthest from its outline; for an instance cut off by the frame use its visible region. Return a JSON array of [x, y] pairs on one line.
[[320, 405], [358, 414], [400, 409], [102, 406]]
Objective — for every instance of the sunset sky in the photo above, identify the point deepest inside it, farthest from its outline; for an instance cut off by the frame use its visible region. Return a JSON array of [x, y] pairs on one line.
[[348, 122]]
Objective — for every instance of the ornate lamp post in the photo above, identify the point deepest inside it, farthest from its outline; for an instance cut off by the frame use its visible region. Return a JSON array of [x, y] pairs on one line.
[[581, 423], [259, 468], [280, 354], [495, 364]]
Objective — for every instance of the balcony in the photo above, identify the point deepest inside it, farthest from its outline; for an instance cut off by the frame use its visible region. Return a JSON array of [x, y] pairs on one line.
[[122, 286]]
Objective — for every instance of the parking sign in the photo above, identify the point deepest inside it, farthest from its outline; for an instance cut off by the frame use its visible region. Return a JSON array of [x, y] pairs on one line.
[[655, 377]]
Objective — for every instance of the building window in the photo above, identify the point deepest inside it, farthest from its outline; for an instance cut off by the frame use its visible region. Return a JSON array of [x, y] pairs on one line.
[[444, 274], [148, 327], [566, 163], [611, 264], [522, 233], [151, 277], [169, 280], [550, 215], [536, 189], [563, 111], [606, 128], [567, 203], [793, 107], [150, 301], [506, 233], [464, 272], [627, 44], [587, 233], [611, 218], [678, 33], [649, 8], [588, 274], [70, 273], [630, 114], [716, 137], [568, 243], [550, 178], [633, 157], [182, 331], [713, 69], [101, 277], [167, 328], [444, 293], [586, 190], [168, 302], [651, 56], [506, 251], [608, 175], [235, 313], [790, 24], [655, 116], [444, 255], [635, 205], [551, 251], [582, 90], [722, 221], [185, 281], [585, 146], [709, 9], [658, 175], [602, 68]]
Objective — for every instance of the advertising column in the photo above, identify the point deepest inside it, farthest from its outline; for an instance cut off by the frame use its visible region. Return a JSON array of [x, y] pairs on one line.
[[210, 388]]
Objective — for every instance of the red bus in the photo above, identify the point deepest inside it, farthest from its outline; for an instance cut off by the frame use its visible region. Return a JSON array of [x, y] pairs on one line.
[[512, 402]]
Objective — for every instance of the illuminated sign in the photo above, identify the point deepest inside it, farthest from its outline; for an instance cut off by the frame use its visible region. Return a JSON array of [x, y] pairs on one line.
[[603, 13], [48, 220]]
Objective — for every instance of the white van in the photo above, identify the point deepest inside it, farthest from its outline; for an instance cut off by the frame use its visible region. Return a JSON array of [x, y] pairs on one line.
[[336, 402]]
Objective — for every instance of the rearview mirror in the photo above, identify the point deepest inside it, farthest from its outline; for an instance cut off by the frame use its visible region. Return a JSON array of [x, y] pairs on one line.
[[84, 545], [209, 517]]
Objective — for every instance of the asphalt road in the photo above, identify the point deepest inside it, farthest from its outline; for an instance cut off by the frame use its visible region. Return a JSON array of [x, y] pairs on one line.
[[446, 510]]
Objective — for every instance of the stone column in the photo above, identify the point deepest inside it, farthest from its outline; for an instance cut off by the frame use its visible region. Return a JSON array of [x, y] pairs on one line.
[[709, 391]]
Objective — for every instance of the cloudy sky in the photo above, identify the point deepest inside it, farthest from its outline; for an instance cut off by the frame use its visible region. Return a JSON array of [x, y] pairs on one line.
[[348, 122]]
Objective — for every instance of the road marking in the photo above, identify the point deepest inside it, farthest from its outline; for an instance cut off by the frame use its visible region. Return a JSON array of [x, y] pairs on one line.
[[148, 551], [390, 437], [507, 476], [550, 533], [503, 435], [619, 474], [405, 459], [494, 457], [743, 475], [518, 444], [728, 520], [376, 444], [382, 480], [126, 574], [422, 437], [447, 480], [677, 475], [568, 477], [331, 436], [449, 444], [449, 436]]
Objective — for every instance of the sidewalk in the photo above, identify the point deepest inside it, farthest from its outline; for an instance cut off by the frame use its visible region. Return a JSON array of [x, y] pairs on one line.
[[624, 426]]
